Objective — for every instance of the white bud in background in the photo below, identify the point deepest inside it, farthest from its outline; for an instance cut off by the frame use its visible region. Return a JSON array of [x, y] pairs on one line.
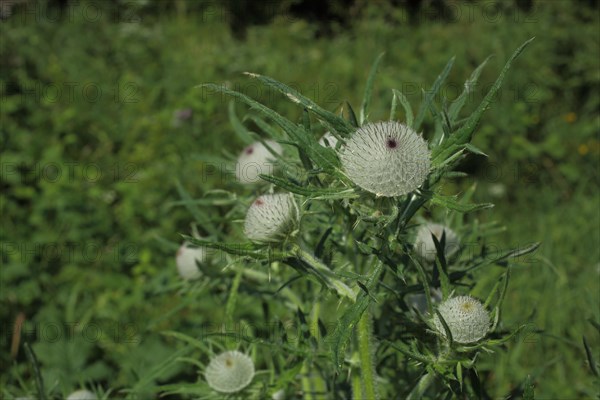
[[229, 372], [328, 140], [256, 159], [82, 395], [386, 158], [425, 246], [186, 258]]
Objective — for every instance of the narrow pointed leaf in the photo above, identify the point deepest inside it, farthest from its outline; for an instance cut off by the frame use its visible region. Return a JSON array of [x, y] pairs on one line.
[[469, 86], [430, 95], [338, 123], [464, 133], [408, 113], [369, 90]]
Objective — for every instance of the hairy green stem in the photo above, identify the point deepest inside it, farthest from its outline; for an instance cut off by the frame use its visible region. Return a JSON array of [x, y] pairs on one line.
[[233, 294], [365, 353], [421, 387], [262, 277], [323, 270]]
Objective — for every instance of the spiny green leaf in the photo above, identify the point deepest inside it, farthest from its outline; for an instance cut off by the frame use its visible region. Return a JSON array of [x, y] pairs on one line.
[[265, 127], [200, 216], [199, 344], [447, 330], [441, 265], [469, 86], [232, 299], [338, 123], [404, 349], [352, 116], [463, 135], [311, 192], [408, 113], [369, 90], [451, 203], [504, 255], [528, 389], [237, 125], [349, 319], [430, 95], [324, 157], [250, 250]]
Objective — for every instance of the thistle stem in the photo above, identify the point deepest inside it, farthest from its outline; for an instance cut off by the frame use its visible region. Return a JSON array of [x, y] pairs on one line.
[[365, 353], [421, 387], [323, 270], [262, 277]]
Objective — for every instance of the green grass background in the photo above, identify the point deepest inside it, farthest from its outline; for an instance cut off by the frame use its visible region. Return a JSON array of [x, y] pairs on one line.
[[119, 154]]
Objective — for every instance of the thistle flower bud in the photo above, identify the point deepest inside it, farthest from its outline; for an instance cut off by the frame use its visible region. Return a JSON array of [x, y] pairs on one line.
[[256, 159], [82, 395], [386, 158], [186, 258], [466, 318], [328, 140], [270, 218], [425, 246], [229, 372]]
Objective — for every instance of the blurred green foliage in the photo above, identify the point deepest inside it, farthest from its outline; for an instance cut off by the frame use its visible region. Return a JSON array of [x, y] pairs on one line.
[[92, 145]]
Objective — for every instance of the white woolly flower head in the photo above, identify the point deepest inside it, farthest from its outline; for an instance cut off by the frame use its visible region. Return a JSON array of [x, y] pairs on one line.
[[229, 372], [386, 158], [186, 258], [256, 159], [466, 317], [328, 140], [82, 395], [271, 217], [425, 246]]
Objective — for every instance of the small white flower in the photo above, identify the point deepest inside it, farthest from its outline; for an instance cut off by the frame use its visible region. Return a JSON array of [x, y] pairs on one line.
[[256, 159], [466, 318], [328, 140], [82, 395], [186, 258], [425, 246], [278, 395], [270, 217], [229, 372], [386, 158]]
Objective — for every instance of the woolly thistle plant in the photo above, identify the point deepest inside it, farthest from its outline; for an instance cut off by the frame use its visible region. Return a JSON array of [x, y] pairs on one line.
[[326, 247], [229, 372], [270, 218], [465, 317], [386, 158]]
